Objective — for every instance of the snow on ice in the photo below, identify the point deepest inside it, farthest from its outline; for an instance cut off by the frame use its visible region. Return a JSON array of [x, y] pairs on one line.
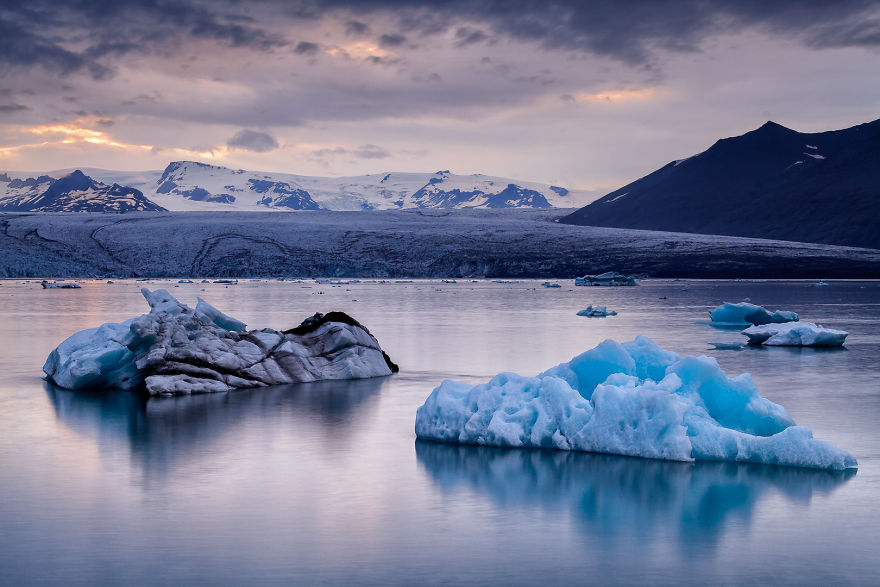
[[177, 350], [746, 313], [633, 399], [795, 334]]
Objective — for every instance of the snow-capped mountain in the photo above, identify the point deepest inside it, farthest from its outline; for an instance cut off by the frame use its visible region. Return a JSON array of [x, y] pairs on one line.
[[188, 185], [74, 192], [772, 182]]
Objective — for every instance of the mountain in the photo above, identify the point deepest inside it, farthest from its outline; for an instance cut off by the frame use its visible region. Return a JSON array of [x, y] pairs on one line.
[[188, 185], [772, 182], [74, 192]]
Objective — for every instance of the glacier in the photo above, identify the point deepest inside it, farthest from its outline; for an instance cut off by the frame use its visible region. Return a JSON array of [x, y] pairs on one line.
[[177, 350], [795, 334], [633, 399], [746, 313]]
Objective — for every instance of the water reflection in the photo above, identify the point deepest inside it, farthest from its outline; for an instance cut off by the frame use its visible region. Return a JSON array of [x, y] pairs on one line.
[[161, 431], [624, 500]]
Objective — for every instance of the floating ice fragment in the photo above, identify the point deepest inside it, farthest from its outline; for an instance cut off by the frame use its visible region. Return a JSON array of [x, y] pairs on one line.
[[596, 312], [175, 349], [795, 334], [633, 399], [746, 313], [609, 278], [728, 346]]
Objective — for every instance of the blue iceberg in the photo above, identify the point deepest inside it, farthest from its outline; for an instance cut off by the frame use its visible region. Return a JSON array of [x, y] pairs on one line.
[[633, 399], [746, 313]]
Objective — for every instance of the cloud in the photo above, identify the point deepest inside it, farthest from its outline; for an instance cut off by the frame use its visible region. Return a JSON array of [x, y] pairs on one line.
[[251, 140], [468, 36], [392, 40], [66, 37], [368, 151], [10, 108], [355, 28], [306, 48]]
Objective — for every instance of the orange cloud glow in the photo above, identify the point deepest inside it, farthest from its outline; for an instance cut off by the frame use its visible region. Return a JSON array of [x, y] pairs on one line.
[[617, 96]]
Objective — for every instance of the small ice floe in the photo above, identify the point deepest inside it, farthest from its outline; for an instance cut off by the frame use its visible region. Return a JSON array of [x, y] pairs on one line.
[[59, 285], [548, 284], [746, 313], [633, 399], [596, 312], [179, 350], [728, 346], [449, 281], [795, 334], [504, 281], [609, 278], [323, 281], [184, 281], [820, 284]]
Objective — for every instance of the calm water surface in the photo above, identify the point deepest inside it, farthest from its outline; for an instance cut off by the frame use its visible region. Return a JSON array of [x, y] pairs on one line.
[[326, 483]]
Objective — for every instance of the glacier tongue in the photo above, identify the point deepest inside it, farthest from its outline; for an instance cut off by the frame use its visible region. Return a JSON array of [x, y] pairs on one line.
[[632, 399], [177, 350]]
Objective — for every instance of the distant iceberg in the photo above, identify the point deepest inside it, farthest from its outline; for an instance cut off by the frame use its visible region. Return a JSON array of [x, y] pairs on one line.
[[596, 312], [633, 399], [746, 313], [795, 334], [177, 350], [609, 278], [57, 285]]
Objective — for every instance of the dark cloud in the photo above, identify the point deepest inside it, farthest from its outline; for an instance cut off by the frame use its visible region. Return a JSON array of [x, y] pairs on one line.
[[64, 36], [67, 36], [306, 48], [393, 40], [251, 140], [355, 28], [467, 36], [10, 108]]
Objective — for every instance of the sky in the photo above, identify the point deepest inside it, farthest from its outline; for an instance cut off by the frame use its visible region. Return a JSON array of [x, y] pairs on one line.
[[583, 94]]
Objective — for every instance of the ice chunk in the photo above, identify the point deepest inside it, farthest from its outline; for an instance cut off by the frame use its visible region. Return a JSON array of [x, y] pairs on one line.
[[746, 313], [633, 399], [795, 334], [57, 285], [596, 312], [175, 349], [728, 345], [611, 278]]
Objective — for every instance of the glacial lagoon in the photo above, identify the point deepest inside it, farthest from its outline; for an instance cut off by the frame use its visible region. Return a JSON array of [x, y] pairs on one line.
[[325, 482]]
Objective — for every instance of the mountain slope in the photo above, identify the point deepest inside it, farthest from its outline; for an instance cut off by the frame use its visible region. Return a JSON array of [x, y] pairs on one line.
[[772, 182], [75, 192], [189, 185]]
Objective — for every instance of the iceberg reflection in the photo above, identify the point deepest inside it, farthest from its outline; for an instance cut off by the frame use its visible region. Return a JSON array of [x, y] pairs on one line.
[[622, 499], [163, 431]]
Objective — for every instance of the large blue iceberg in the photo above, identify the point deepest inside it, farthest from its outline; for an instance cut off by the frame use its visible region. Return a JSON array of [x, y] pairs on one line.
[[633, 399]]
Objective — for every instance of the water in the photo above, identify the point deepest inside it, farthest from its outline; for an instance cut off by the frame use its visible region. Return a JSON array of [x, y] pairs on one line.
[[326, 483]]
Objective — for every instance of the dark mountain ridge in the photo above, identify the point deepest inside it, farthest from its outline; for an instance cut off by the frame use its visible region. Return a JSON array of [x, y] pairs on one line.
[[772, 182]]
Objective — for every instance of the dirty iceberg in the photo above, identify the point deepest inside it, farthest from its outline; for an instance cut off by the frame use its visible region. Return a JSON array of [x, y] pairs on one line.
[[176, 349], [633, 399]]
